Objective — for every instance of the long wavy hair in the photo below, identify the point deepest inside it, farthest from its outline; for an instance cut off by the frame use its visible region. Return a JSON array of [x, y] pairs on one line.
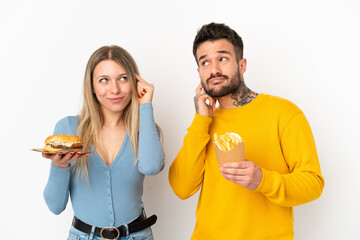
[[91, 118]]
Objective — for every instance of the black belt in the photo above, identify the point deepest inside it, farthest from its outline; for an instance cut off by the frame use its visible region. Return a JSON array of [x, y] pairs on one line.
[[116, 232]]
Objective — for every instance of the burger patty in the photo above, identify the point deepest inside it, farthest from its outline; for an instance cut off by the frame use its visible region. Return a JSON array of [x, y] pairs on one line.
[[75, 146]]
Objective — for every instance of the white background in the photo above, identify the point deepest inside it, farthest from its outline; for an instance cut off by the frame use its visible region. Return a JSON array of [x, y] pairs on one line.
[[305, 51]]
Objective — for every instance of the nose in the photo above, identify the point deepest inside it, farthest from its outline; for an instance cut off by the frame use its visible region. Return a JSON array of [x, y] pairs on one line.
[[115, 87], [215, 68]]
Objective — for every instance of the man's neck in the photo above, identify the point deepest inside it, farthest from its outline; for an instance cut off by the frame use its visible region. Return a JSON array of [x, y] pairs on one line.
[[241, 97]]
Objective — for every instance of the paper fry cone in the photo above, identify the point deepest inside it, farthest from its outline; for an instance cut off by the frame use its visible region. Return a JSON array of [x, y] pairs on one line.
[[234, 155]]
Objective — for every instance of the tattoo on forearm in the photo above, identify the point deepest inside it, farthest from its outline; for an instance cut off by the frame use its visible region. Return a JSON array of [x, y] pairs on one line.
[[196, 104]]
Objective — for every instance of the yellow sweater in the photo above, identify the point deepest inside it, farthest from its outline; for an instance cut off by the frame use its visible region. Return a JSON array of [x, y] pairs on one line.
[[279, 140]]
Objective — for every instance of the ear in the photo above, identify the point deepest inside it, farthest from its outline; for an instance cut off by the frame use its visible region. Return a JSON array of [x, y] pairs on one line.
[[242, 66], [198, 70]]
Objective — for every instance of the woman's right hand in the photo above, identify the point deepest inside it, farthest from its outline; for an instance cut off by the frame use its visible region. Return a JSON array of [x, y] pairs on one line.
[[63, 160]]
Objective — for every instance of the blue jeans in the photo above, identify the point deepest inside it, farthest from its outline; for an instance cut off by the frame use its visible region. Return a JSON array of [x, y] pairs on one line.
[[145, 234]]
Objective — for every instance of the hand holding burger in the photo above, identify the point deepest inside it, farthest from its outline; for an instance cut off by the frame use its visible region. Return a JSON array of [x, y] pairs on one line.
[[71, 143]]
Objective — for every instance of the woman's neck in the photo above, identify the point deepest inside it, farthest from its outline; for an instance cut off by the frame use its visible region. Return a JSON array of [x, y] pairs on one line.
[[113, 120]]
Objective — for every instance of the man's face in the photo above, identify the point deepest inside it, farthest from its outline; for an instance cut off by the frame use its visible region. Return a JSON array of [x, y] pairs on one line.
[[219, 71]]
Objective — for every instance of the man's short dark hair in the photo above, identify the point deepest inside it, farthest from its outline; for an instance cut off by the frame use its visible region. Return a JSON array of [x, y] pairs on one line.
[[214, 31]]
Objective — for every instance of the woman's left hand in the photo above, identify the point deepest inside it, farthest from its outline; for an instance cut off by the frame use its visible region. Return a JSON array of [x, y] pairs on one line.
[[145, 90]]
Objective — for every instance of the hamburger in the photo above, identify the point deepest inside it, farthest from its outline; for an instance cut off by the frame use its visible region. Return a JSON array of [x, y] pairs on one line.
[[63, 142]]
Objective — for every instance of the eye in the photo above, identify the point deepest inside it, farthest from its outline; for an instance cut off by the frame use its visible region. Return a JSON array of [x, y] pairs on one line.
[[103, 80], [124, 78], [204, 63], [223, 59]]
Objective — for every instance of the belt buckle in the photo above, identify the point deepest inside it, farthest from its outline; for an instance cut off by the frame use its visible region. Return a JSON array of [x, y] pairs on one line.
[[110, 229]]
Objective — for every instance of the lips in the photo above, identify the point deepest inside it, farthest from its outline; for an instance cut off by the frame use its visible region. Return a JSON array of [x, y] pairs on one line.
[[216, 80], [115, 100]]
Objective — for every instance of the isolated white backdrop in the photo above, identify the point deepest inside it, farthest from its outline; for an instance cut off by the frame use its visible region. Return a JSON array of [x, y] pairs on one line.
[[306, 51]]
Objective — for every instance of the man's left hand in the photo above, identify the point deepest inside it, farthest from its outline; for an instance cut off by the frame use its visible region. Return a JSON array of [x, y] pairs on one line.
[[245, 173]]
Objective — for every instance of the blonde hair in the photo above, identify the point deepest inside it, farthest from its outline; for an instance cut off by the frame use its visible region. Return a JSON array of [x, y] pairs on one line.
[[91, 118]]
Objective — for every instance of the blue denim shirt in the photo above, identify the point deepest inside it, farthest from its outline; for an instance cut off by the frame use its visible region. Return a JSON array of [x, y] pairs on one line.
[[113, 194]]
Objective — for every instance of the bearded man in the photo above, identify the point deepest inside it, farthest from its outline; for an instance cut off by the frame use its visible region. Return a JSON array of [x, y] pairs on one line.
[[251, 199]]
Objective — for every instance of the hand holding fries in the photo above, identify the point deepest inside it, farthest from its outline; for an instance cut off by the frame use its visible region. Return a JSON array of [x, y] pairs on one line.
[[245, 173], [230, 153]]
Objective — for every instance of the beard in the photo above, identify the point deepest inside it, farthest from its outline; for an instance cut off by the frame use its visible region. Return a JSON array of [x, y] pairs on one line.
[[231, 87]]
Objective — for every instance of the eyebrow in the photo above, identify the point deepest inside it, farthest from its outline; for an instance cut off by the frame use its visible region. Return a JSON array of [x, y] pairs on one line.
[[104, 75], [221, 51]]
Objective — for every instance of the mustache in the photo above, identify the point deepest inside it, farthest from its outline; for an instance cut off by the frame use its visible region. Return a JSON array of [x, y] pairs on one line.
[[217, 75]]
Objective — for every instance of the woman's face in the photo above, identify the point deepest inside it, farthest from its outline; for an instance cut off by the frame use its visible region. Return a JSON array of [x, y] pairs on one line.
[[111, 86]]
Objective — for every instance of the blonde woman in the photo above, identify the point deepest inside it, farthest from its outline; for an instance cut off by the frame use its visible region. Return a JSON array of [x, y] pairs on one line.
[[117, 126]]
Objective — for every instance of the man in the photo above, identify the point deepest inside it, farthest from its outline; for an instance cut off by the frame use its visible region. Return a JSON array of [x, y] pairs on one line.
[[249, 199]]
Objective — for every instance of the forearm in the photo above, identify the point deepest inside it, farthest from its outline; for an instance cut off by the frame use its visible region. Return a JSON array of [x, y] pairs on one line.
[[150, 151], [291, 189], [304, 181], [186, 172], [56, 192]]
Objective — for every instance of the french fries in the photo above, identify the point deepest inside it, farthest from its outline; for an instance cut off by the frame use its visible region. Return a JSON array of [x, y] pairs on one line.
[[227, 141]]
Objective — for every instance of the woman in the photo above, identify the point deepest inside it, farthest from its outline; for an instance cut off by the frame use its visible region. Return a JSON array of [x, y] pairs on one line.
[[117, 126]]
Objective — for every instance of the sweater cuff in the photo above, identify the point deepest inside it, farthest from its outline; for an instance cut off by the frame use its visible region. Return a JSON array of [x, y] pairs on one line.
[[268, 181], [200, 123], [145, 106]]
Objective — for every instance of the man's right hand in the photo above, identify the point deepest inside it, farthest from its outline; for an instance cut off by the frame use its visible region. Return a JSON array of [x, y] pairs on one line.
[[201, 106]]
